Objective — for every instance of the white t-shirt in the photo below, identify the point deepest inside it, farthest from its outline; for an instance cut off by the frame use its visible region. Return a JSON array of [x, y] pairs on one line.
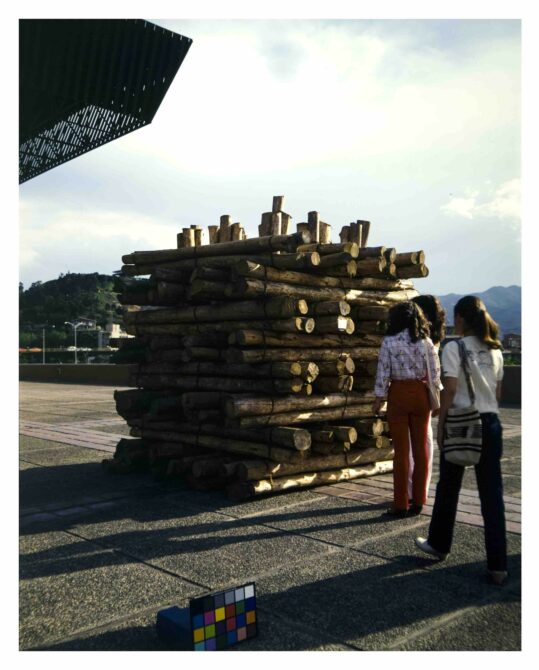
[[486, 366]]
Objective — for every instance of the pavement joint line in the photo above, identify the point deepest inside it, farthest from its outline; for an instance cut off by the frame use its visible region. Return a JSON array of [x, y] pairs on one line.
[[337, 545], [293, 623], [116, 498], [445, 619], [270, 510], [141, 561], [101, 628]]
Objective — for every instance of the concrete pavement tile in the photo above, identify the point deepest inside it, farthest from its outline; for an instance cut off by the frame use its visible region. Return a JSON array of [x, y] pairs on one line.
[[56, 453], [59, 595], [368, 602], [65, 484], [202, 546], [26, 466], [491, 627], [336, 520], [139, 634], [258, 506], [468, 550]]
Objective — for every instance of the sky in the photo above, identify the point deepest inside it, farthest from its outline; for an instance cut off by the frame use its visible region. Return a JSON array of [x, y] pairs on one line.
[[413, 125]]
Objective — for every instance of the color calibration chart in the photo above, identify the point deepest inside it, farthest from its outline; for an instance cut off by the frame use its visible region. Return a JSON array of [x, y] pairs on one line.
[[223, 619]]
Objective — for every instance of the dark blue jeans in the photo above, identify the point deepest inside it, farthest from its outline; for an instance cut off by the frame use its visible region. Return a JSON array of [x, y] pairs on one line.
[[489, 482]]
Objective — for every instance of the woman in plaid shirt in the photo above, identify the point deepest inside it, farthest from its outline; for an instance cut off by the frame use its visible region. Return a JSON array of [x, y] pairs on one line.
[[402, 376]]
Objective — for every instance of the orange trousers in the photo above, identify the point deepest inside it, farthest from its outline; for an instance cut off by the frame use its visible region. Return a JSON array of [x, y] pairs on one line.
[[408, 413]]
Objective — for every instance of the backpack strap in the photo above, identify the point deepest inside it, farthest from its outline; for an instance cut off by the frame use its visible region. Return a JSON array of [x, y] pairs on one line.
[[466, 368]]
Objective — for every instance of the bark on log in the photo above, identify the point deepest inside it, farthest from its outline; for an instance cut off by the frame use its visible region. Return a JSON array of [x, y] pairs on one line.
[[331, 248], [330, 448], [253, 245], [372, 313], [245, 490], [339, 367], [334, 434], [409, 271], [410, 258], [344, 235], [225, 384], [278, 308], [290, 340], [371, 327], [234, 355], [241, 406], [311, 416], [255, 288], [291, 325], [330, 308], [263, 371], [340, 384], [258, 469], [250, 269], [334, 324], [234, 446], [369, 427]]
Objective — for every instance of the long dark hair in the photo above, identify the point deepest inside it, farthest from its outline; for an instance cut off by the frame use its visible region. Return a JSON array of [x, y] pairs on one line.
[[472, 309], [407, 315], [435, 313]]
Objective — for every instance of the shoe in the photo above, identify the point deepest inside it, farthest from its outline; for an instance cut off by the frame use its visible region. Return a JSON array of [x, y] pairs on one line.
[[397, 513], [497, 577], [422, 543], [415, 510]]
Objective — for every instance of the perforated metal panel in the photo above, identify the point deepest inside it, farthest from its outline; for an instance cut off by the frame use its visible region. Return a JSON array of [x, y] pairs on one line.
[[85, 82]]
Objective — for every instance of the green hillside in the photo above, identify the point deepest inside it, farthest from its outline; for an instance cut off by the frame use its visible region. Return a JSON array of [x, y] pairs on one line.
[[68, 298]]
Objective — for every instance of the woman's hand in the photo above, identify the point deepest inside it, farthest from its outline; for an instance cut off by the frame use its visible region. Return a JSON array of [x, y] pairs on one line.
[[377, 405], [440, 436]]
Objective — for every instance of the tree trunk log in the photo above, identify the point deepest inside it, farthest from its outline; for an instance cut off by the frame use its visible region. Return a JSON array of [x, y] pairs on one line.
[[330, 308], [341, 384], [287, 340], [245, 490], [274, 355], [240, 405], [408, 271], [410, 258]]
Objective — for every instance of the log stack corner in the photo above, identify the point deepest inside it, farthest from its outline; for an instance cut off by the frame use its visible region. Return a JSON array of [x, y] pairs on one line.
[[252, 361]]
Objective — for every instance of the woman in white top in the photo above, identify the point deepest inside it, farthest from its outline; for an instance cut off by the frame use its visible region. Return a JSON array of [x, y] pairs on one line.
[[483, 350], [435, 315]]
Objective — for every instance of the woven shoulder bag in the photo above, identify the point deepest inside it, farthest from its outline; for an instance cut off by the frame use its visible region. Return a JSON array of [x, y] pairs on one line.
[[463, 432]]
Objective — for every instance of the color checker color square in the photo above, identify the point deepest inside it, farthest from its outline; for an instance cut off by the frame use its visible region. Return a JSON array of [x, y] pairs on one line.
[[223, 619]]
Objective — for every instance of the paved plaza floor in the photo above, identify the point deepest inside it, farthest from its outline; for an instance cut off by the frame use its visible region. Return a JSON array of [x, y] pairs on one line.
[[100, 554]]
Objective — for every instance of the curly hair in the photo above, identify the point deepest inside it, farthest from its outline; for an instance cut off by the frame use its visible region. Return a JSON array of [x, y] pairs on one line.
[[472, 309], [435, 313], [408, 315]]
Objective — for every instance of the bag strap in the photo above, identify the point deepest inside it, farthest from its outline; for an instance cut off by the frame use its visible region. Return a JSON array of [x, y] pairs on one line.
[[466, 368], [429, 380]]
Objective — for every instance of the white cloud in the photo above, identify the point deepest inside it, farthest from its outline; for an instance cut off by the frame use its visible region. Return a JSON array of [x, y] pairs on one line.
[[347, 94], [501, 203], [93, 239]]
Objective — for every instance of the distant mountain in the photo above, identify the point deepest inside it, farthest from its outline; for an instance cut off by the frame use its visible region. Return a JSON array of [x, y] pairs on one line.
[[502, 302]]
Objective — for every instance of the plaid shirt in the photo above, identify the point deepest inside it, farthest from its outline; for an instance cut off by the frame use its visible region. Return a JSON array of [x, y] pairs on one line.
[[400, 358]]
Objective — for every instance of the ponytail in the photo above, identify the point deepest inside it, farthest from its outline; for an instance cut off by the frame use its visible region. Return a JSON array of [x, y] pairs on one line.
[[479, 321]]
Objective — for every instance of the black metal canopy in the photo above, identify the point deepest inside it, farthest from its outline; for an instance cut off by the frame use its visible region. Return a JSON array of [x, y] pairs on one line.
[[85, 82]]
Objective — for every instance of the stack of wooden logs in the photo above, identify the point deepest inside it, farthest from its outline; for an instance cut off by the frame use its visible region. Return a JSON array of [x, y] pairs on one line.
[[253, 360]]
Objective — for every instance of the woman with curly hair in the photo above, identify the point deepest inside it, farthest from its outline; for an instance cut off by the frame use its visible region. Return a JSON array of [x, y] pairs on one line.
[[401, 375], [435, 315]]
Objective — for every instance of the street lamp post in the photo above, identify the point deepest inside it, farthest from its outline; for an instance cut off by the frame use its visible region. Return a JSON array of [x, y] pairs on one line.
[[75, 326], [43, 332]]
